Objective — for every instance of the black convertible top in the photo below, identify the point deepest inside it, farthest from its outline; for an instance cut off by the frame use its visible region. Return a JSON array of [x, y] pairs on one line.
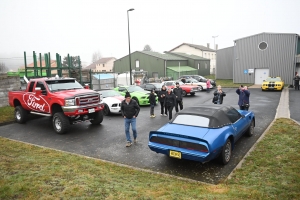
[[218, 115]]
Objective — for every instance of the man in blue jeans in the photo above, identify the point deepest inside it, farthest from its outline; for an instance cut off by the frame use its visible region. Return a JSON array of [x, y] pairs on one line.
[[130, 110]]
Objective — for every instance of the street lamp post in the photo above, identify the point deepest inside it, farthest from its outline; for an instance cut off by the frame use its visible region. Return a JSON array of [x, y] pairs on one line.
[[215, 41], [130, 71]]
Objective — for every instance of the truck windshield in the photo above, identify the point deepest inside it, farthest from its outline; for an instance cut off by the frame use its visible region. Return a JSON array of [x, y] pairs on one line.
[[65, 84]]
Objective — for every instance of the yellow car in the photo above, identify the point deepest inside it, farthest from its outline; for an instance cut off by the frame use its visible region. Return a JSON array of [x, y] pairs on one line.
[[272, 83]]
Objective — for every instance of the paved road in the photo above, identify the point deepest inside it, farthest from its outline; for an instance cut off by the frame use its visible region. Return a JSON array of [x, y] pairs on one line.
[[107, 141]]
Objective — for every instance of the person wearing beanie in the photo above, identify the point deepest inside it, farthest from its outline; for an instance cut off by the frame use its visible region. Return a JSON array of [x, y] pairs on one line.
[[130, 110], [161, 99]]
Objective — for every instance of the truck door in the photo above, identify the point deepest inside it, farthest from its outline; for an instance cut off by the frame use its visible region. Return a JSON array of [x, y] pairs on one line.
[[40, 102]]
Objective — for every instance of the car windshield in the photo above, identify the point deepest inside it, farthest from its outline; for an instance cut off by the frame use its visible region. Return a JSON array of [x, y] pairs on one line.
[[192, 120], [109, 93], [273, 79], [134, 88], [63, 84], [158, 85]]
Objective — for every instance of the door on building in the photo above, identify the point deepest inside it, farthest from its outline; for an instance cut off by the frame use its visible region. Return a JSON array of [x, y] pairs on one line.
[[261, 75]]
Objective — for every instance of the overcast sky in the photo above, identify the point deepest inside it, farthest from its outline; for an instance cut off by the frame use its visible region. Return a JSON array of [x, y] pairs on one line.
[[82, 27]]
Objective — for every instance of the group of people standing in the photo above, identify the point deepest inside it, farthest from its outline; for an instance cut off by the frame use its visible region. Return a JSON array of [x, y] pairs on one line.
[[168, 100]]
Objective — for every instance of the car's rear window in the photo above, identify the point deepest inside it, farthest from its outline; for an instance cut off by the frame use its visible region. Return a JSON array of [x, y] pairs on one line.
[[192, 120]]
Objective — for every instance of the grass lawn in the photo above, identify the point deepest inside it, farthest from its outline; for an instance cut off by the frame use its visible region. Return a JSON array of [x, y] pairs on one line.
[[30, 172], [227, 83], [6, 114]]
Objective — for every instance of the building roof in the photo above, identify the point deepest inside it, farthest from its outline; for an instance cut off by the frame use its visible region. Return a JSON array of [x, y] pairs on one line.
[[162, 55], [103, 76], [52, 64], [200, 47], [182, 68], [185, 55], [267, 33], [100, 61]]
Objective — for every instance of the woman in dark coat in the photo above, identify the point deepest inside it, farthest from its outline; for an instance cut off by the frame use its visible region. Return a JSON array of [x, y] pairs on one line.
[[218, 95], [170, 100]]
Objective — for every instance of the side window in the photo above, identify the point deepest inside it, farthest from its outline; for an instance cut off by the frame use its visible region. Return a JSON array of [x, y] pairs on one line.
[[233, 115], [40, 85], [31, 86], [122, 89]]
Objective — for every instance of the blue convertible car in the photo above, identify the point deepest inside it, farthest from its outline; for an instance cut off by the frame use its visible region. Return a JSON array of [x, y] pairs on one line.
[[203, 133]]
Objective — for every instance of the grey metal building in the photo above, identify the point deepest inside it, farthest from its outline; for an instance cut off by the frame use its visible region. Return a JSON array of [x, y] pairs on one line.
[[259, 56]]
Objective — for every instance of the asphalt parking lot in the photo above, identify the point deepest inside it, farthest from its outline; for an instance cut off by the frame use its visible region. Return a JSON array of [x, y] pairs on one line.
[[294, 104], [107, 141]]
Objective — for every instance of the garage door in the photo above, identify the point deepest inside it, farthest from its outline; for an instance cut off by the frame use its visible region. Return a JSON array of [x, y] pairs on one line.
[[260, 75]]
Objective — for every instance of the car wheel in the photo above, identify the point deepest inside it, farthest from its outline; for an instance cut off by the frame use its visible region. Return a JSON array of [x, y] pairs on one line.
[[192, 93], [134, 98], [184, 93], [20, 114], [97, 118], [226, 152], [106, 110], [200, 88], [61, 123], [250, 130]]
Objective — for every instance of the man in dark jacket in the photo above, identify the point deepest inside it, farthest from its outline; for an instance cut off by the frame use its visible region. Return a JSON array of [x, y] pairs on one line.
[[178, 93], [130, 110], [296, 81], [161, 98], [170, 100], [244, 95]]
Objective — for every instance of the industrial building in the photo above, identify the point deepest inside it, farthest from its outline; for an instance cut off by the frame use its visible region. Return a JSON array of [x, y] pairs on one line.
[[256, 57]]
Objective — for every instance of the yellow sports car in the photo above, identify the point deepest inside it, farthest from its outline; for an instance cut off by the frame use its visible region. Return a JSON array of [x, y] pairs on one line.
[[272, 83]]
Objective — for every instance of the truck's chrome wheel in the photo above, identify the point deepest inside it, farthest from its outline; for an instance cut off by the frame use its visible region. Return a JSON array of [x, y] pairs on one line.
[[57, 123], [18, 115]]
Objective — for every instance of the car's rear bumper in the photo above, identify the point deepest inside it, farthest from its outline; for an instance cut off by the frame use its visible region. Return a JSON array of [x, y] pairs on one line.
[[185, 153]]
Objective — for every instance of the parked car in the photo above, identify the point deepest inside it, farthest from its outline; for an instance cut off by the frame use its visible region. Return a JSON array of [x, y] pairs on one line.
[[191, 81], [272, 83], [152, 86], [62, 99], [200, 79], [203, 133], [137, 93], [111, 100], [187, 89]]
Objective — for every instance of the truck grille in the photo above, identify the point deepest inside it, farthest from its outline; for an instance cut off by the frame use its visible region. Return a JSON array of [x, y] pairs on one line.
[[88, 99]]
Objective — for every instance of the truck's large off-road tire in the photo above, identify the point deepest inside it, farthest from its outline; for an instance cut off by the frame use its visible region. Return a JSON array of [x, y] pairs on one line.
[[20, 114], [98, 118], [61, 123]]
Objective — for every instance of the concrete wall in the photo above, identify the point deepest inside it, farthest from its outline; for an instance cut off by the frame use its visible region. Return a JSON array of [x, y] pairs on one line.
[[8, 83]]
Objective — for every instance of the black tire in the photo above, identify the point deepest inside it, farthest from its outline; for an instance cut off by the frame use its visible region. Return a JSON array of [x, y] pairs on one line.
[[20, 115], [106, 110], [61, 123], [226, 153], [200, 88], [137, 101], [98, 118], [192, 93], [250, 130], [184, 93]]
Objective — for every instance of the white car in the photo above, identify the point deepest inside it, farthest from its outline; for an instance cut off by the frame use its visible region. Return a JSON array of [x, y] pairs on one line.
[[191, 81], [111, 100]]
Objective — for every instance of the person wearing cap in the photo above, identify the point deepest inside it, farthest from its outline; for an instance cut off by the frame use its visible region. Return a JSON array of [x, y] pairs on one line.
[[130, 110], [178, 93]]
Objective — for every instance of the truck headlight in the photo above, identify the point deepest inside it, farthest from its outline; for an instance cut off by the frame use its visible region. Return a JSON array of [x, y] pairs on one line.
[[70, 102]]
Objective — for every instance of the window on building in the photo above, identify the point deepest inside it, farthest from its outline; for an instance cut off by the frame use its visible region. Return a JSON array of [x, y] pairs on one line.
[[205, 65], [198, 65], [262, 46], [103, 65], [103, 70], [137, 64]]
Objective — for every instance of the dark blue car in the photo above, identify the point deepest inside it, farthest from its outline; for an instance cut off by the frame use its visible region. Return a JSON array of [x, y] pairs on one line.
[[203, 133]]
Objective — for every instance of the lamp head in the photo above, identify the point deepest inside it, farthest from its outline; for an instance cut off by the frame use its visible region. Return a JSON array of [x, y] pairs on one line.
[[131, 9]]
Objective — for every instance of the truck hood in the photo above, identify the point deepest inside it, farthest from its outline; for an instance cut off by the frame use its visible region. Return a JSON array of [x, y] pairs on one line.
[[74, 93]]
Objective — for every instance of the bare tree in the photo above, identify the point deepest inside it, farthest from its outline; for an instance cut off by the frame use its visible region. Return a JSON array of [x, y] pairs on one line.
[[147, 48], [3, 68], [96, 56]]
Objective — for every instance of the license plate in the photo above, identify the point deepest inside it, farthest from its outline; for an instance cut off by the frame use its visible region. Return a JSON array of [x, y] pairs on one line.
[[175, 154], [91, 110]]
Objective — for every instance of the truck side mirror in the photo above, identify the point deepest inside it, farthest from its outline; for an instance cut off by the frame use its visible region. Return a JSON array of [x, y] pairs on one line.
[[86, 86], [38, 91]]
